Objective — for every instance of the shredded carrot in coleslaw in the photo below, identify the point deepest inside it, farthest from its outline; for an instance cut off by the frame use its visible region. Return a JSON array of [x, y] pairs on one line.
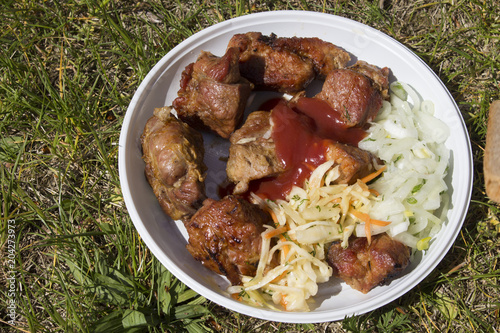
[[373, 175], [275, 232], [368, 222]]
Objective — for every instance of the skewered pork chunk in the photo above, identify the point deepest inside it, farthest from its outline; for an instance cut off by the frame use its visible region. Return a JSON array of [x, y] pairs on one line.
[[252, 154], [173, 153], [212, 93], [225, 236], [285, 64], [364, 266]]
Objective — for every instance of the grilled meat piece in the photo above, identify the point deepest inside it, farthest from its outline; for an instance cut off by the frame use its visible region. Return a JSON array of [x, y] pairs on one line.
[[352, 95], [286, 64], [268, 68], [173, 153], [213, 94], [252, 154], [378, 76], [325, 56], [225, 236], [354, 163], [364, 266]]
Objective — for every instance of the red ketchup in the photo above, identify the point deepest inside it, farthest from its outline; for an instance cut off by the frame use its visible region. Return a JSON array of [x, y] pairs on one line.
[[302, 135], [328, 122]]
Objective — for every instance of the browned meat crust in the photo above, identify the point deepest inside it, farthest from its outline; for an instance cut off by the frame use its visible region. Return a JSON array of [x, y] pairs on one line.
[[173, 153], [252, 154], [212, 93], [352, 95], [364, 266], [285, 64], [324, 55], [353, 162], [378, 76], [225, 236], [268, 68]]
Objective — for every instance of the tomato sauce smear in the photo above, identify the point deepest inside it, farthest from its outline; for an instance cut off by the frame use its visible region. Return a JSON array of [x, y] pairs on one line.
[[302, 133], [328, 122]]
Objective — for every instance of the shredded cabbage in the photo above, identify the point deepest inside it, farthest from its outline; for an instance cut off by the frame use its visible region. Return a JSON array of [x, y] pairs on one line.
[[313, 217]]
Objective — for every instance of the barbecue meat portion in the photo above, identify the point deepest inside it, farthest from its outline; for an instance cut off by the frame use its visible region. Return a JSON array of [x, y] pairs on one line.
[[252, 153], [352, 95], [364, 266], [378, 76], [268, 68], [354, 163], [173, 153], [325, 56], [225, 236], [285, 64], [213, 94]]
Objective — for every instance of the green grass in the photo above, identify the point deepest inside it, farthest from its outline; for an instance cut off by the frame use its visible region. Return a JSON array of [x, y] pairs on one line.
[[67, 73]]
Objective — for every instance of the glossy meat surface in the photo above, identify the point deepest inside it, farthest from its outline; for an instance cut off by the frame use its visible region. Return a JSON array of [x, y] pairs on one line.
[[173, 153], [352, 95], [364, 266], [252, 154], [378, 76], [213, 94], [286, 64], [269, 68], [225, 236], [324, 56]]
